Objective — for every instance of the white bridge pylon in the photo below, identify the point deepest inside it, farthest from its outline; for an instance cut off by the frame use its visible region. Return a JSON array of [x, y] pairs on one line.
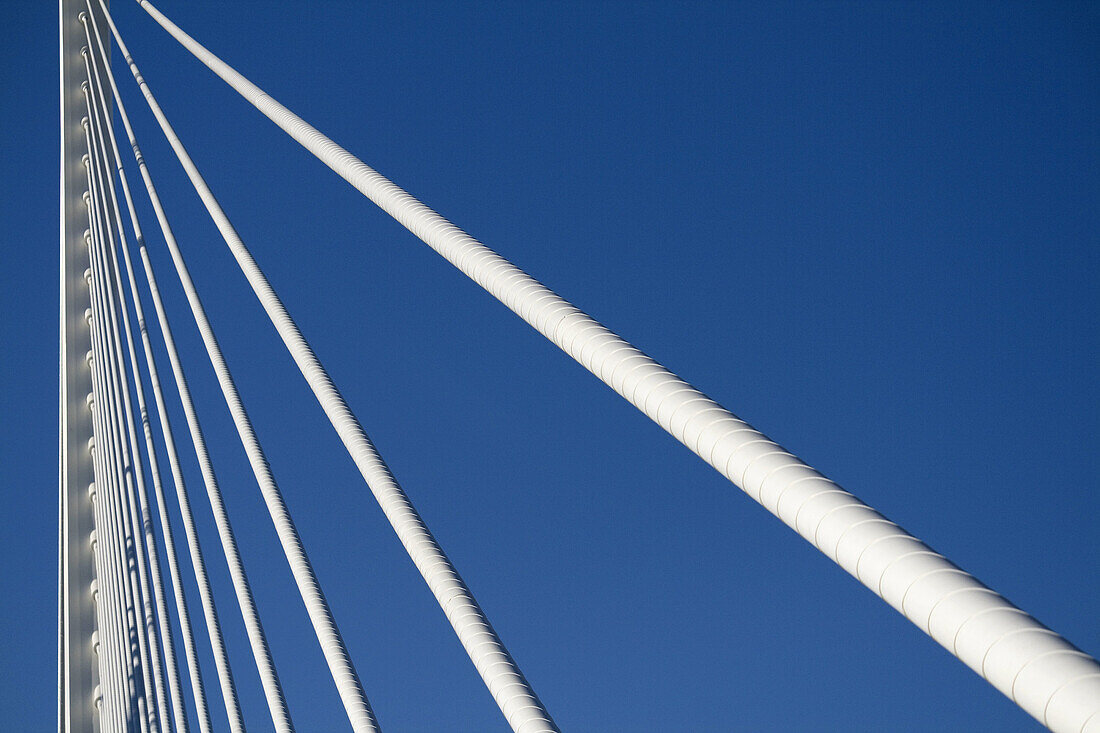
[[118, 662]]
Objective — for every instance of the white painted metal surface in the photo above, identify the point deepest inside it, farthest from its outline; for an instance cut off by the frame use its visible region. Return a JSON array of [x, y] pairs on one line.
[[79, 673], [168, 671], [1053, 681], [328, 635], [123, 436], [229, 544], [111, 676], [521, 707]]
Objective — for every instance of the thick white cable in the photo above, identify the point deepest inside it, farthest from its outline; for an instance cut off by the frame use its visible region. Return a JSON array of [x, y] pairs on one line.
[[125, 445], [513, 694], [148, 564], [114, 539], [1043, 673], [328, 635], [99, 104], [257, 639]]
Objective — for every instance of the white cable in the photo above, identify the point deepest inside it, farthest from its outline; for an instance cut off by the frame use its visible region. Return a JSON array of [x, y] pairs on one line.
[[261, 652], [116, 537], [198, 688], [108, 608], [118, 635], [126, 510], [175, 688], [142, 526], [148, 636], [328, 635], [1039, 670], [513, 694], [116, 541]]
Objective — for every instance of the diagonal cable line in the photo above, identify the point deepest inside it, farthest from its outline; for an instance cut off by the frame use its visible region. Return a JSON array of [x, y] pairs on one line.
[[108, 600], [128, 447], [257, 639], [144, 628], [117, 632], [104, 642], [1036, 668], [147, 562], [332, 644], [197, 686], [118, 536], [99, 103], [510, 689]]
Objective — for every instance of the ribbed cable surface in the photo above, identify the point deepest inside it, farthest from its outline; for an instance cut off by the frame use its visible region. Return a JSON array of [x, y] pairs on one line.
[[114, 581], [257, 639], [108, 604], [99, 104], [105, 644], [145, 629], [513, 694], [128, 533], [1043, 673], [152, 589], [328, 635], [198, 688], [118, 538]]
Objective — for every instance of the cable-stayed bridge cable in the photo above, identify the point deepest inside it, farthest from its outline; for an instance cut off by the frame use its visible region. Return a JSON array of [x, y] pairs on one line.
[[198, 688], [99, 111], [118, 538], [1039, 670], [332, 645], [261, 652], [142, 527], [513, 694]]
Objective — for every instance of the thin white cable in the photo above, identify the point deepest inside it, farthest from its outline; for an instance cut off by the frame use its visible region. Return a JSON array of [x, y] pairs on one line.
[[198, 688], [173, 681], [1036, 668], [105, 636], [114, 539], [119, 635], [104, 592], [272, 688], [510, 689], [125, 507], [104, 642], [197, 685], [99, 104], [328, 635], [116, 542], [147, 635], [148, 565]]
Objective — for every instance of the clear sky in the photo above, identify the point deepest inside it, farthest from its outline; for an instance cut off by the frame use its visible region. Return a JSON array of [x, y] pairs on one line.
[[871, 230]]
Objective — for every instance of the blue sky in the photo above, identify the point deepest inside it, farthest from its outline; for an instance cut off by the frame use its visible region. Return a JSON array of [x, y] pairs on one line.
[[871, 230]]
